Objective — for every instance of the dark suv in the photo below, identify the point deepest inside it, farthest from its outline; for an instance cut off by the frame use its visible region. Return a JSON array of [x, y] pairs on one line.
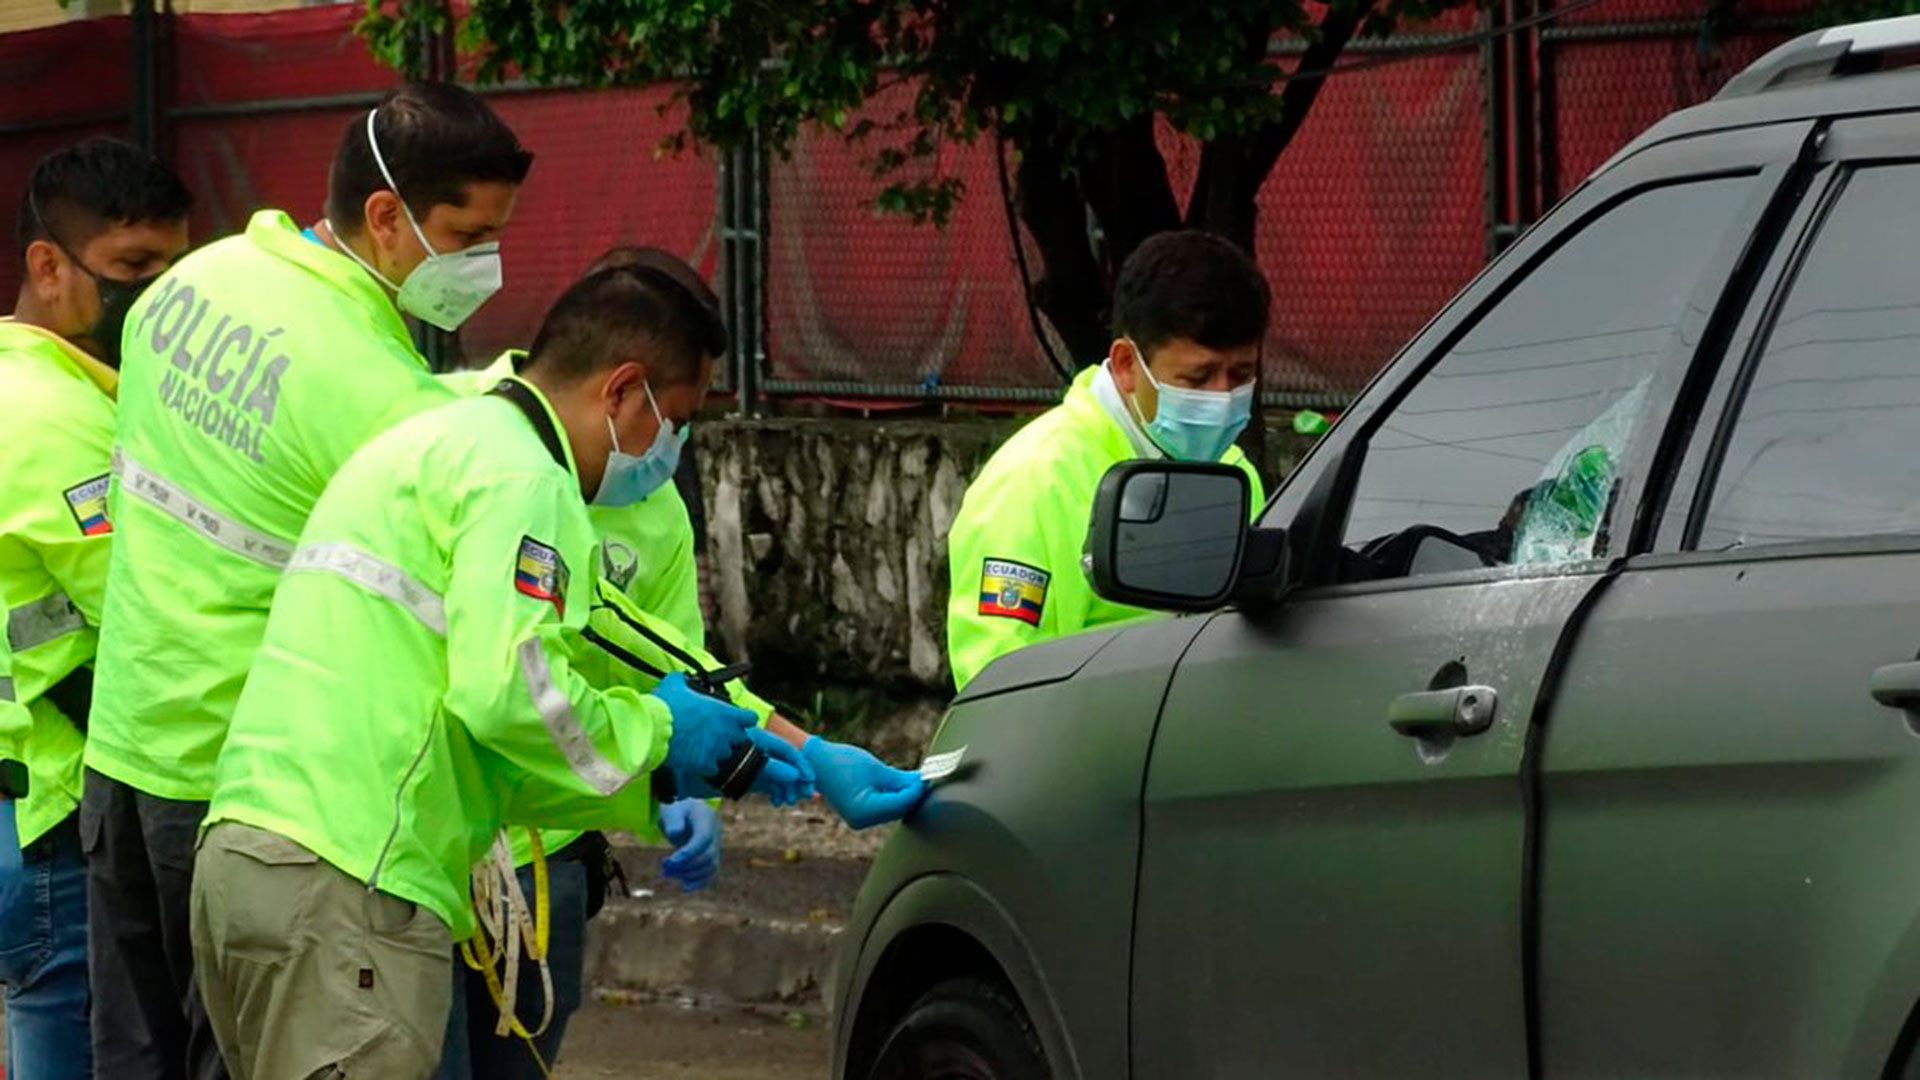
[[1558, 716]]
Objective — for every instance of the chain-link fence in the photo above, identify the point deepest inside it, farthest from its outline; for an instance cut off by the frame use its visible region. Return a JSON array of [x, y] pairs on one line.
[[1402, 180]]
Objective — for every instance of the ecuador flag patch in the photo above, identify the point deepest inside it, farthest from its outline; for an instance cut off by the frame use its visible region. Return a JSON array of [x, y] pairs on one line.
[[541, 573], [88, 502], [1012, 590]]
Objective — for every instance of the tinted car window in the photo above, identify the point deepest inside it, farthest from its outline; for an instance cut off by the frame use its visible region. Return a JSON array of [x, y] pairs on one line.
[[1510, 447], [1824, 443]]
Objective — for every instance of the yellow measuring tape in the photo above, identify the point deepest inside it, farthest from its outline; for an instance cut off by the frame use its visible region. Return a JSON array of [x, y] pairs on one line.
[[507, 923]]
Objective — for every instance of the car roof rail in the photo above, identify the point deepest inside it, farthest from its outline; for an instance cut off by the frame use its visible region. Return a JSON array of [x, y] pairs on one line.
[[1865, 47]]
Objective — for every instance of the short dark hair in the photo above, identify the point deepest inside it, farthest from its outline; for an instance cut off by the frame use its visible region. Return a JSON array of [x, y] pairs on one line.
[[606, 317], [75, 194], [436, 139], [1191, 285], [711, 332]]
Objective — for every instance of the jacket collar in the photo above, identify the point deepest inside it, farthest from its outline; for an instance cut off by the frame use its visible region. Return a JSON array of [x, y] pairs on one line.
[[1084, 400], [273, 232], [76, 361]]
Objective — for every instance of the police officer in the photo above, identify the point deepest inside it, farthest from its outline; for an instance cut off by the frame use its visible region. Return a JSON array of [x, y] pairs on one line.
[[416, 690], [98, 221], [646, 554], [253, 369], [1190, 310]]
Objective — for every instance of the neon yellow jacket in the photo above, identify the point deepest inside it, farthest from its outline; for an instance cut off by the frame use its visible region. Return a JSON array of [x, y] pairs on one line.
[[647, 598], [1013, 555], [251, 371], [54, 542], [417, 687]]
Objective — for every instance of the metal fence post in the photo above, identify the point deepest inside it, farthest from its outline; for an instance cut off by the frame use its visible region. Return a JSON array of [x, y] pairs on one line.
[[1493, 87], [743, 213], [1548, 93]]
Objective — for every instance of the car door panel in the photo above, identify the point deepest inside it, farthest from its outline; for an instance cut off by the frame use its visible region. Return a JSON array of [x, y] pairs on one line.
[[1308, 869], [1725, 889], [1726, 813]]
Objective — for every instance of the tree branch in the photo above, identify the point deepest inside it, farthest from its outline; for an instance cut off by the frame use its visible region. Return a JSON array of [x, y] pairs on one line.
[[1073, 292], [1342, 21]]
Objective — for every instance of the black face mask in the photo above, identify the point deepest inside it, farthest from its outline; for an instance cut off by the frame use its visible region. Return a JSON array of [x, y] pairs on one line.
[[116, 299]]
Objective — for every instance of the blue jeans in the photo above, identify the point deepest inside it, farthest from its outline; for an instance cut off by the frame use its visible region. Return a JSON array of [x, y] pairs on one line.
[[473, 1051], [43, 952]]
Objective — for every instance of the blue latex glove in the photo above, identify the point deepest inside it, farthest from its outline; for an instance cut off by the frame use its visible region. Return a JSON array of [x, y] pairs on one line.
[[705, 730], [861, 788], [786, 779], [693, 828]]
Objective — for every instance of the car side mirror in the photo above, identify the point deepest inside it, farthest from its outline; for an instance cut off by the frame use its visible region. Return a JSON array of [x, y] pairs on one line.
[[1169, 535]]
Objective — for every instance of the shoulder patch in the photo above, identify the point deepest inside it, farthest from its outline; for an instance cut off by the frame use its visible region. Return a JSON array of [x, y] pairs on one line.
[[541, 573], [88, 501], [1012, 590]]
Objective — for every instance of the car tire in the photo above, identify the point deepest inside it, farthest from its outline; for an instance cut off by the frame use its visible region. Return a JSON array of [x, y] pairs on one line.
[[962, 1029]]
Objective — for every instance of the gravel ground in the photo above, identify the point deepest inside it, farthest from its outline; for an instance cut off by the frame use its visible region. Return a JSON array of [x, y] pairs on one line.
[[667, 1042]]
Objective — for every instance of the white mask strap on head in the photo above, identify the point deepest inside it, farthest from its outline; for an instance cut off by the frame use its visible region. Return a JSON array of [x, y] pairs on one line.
[[380, 160]]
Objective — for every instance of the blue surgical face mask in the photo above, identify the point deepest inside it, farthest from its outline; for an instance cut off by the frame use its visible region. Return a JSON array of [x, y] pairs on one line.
[[629, 479], [1196, 425]]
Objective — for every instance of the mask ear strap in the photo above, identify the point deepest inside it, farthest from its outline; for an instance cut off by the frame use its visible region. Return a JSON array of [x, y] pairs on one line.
[[654, 404], [1139, 361], [379, 159], [42, 225]]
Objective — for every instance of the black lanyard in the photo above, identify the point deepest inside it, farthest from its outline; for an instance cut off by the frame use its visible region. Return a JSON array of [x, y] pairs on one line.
[[522, 395]]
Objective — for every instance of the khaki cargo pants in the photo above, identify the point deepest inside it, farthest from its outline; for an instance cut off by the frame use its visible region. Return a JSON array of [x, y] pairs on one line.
[[307, 974]]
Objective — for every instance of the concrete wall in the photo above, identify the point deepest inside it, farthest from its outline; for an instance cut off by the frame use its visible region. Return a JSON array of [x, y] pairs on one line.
[[826, 557], [826, 543]]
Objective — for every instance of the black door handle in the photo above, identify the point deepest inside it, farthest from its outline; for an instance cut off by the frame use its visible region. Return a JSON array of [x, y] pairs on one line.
[[1463, 710], [1897, 686]]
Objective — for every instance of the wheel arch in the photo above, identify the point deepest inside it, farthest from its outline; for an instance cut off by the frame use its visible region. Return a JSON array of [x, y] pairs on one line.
[[940, 927]]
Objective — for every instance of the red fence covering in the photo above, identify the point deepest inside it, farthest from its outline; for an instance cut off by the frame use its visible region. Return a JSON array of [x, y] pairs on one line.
[[1371, 220]]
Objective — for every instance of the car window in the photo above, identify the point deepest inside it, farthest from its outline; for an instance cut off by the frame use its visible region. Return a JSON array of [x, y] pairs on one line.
[[1509, 449], [1823, 444]]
